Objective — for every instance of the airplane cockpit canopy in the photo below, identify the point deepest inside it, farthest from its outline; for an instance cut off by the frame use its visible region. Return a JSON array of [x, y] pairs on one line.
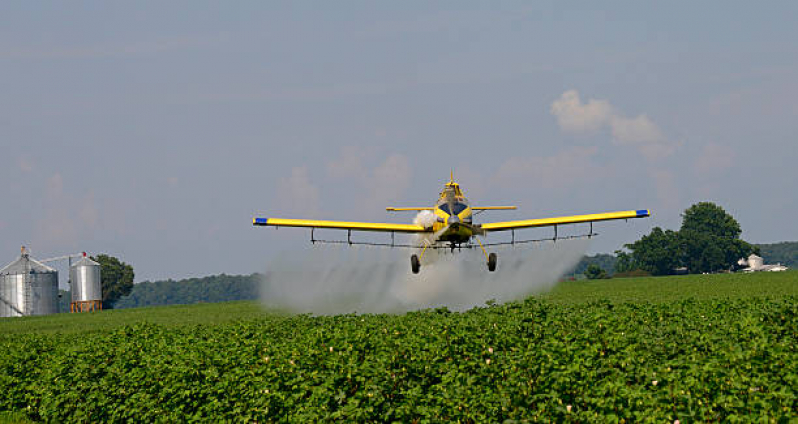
[[457, 206]]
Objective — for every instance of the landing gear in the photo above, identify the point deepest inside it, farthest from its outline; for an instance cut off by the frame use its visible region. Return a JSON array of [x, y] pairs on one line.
[[415, 265], [492, 258]]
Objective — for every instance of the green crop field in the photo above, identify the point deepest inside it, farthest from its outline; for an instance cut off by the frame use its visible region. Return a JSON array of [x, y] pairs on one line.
[[692, 348]]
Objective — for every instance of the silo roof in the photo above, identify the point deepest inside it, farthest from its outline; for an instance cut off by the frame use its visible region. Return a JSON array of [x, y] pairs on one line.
[[85, 261], [25, 264]]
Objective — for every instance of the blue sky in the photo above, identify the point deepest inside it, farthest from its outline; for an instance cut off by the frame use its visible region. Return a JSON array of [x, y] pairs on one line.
[[155, 131]]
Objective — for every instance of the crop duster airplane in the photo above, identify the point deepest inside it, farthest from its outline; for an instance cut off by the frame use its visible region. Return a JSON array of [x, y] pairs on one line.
[[453, 226]]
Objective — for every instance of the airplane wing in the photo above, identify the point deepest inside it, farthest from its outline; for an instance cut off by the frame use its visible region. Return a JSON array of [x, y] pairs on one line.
[[575, 219], [341, 225]]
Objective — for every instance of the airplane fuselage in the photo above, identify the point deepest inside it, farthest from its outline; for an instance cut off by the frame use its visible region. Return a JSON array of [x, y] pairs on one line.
[[454, 218]]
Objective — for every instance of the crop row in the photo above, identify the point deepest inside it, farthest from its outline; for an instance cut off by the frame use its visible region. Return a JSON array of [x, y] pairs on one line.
[[690, 360]]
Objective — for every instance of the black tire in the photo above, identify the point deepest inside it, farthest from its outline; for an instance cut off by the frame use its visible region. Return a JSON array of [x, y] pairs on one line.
[[415, 265], [492, 259]]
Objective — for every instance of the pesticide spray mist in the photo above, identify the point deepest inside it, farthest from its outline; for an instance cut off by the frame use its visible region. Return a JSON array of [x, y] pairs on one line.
[[342, 279]]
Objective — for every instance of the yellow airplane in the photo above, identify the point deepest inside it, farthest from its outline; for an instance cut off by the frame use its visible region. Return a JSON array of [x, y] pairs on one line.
[[452, 226]]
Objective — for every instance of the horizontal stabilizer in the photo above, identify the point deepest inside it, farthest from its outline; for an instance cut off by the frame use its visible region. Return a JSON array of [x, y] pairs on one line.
[[390, 209]]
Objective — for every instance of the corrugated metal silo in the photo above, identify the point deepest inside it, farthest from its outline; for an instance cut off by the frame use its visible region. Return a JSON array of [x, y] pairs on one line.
[[86, 287], [28, 287]]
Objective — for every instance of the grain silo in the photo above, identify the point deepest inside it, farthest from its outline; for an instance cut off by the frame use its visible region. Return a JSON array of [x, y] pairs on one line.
[[28, 287], [85, 285]]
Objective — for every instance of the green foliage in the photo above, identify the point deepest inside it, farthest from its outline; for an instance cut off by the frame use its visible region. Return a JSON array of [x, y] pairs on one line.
[[623, 262], [659, 252], [710, 219], [595, 272], [785, 253], [117, 279], [602, 260], [632, 273], [213, 289], [693, 348], [13, 418], [708, 241]]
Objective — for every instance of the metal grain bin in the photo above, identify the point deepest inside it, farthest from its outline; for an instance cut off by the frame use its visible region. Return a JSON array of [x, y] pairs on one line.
[[28, 287], [84, 275]]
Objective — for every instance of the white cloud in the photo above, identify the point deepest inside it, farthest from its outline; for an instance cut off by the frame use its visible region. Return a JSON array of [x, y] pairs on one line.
[[349, 164], [639, 130], [574, 116], [589, 118], [384, 183], [297, 194]]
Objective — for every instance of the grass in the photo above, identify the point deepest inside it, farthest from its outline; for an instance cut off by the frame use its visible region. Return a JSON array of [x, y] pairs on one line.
[[695, 334], [673, 288], [645, 289], [178, 315]]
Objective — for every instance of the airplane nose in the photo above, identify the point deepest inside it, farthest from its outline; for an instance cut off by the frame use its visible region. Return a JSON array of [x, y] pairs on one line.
[[453, 219]]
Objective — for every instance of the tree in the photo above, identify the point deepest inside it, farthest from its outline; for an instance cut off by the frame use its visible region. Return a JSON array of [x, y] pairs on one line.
[[785, 253], [710, 239], [116, 277], [624, 262], [659, 252], [595, 272], [710, 219]]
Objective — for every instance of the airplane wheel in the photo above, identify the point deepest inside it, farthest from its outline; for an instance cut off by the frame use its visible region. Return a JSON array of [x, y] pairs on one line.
[[415, 265], [492, 262]]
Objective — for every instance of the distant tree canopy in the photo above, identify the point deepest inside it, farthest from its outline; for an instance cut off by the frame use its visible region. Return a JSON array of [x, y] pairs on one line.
[[595, 272], [785, 253], [116, 277], [212, 289], [708, 241], [602, 260]]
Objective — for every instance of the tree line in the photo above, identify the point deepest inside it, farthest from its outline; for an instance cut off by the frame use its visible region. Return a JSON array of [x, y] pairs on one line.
[[708, 241], [212, 289]]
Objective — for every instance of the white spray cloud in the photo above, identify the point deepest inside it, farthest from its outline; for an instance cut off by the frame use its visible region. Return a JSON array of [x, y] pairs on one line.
[[425, 219], [333, 280], [588, 118]]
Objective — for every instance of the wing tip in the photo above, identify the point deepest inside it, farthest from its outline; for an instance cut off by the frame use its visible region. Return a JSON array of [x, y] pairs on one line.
[[642, 213], [260, 221]]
